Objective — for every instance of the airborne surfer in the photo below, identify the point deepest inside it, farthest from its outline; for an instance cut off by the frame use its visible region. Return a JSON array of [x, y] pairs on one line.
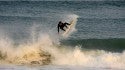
[[61, 25]]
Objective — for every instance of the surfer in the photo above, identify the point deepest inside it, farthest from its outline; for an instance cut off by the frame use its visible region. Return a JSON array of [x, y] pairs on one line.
[[62, 25]]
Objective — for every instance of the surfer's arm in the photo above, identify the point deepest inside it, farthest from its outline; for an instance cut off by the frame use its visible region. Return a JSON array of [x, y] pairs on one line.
[[67, 24], [58, 28]]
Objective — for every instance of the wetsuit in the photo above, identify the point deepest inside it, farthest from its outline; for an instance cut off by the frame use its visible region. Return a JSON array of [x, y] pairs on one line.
[[62, 25]]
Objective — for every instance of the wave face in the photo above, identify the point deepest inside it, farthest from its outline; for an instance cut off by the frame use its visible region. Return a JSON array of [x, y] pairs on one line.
[[114, 45], [28, 33]]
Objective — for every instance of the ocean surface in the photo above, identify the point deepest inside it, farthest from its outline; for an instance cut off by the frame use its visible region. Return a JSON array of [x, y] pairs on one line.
[[29, 39]]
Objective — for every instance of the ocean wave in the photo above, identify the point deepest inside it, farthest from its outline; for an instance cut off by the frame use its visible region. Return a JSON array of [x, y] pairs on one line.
[[114, 45], [45, 52], [47, 48]]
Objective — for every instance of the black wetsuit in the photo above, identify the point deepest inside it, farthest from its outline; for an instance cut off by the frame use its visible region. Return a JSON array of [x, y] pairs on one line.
[[62, 25]]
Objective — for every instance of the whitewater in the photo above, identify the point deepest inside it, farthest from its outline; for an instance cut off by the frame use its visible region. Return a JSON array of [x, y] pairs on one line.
[[46, 50], [29, 39]]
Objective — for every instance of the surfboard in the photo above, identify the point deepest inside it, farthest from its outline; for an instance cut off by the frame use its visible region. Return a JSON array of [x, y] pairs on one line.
[[70, 28]]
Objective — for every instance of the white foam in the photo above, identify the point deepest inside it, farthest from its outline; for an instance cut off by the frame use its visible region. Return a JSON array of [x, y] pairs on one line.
[[25, 53], [69, 18]]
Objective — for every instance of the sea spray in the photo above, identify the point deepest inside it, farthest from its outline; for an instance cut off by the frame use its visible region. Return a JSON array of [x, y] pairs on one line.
[[91, 58], [29, 53], [45, 52], [71, 19], [44, 49]]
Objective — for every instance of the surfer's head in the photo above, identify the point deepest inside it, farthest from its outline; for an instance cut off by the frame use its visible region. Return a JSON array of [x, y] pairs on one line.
[[60, 21]]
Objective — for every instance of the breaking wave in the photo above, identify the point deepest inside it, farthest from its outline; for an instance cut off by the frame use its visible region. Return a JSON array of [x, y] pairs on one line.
[[44, 48]]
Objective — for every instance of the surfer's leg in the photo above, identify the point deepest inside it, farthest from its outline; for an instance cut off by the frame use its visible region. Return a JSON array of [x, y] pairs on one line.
[[66, 26], [63, 29]]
